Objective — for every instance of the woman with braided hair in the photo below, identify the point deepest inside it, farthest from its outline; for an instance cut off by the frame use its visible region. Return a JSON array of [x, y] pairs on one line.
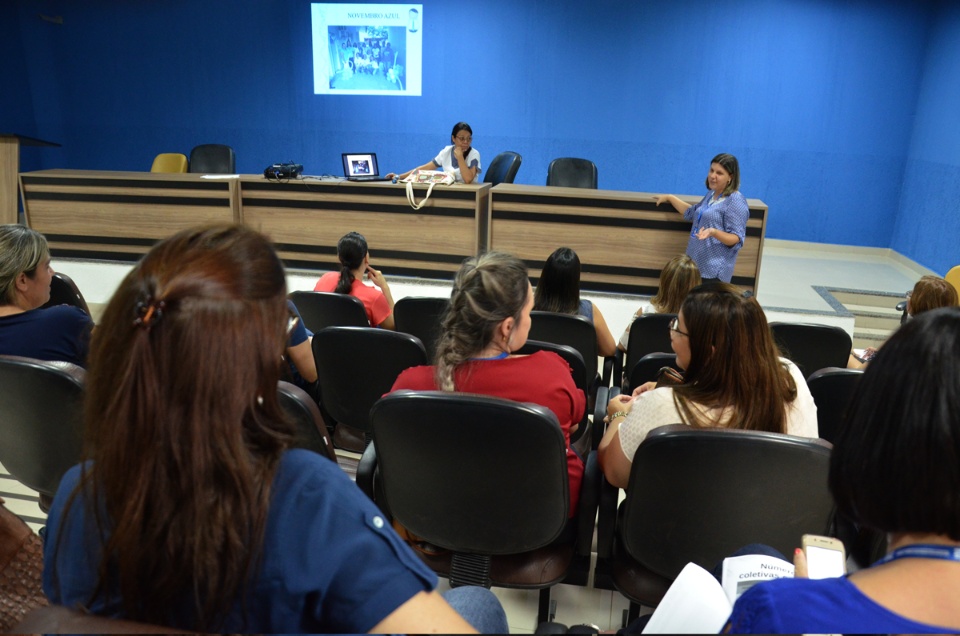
[[489, 319]]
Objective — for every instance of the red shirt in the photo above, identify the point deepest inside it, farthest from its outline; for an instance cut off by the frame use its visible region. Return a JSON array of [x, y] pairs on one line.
[[372, 298], [543, 378]]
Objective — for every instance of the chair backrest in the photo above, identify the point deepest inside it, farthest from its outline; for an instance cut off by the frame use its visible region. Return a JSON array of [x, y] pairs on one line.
[[570, 355], [649, 333], [647, 368], [572, 173], [357, 365], [953, 277], [169, 162], [812, 347], [63, 291], [421, 316], [575, 331], [700, 494], [213, 159], [503, 168], [449, 477], [311, 429], [41, 420], [832, 390], [329, 309]]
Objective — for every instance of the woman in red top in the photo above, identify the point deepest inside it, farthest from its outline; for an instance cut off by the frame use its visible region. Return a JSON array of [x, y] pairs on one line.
[[489, 319], [354, 263]]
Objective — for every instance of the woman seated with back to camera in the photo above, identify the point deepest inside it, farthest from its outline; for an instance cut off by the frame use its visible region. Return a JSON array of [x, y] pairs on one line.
[[192, 509], [488, 319], [733, 378], [895, 468], [559, 291], [677, 278], [59, 333], [930, 292], [354, 263]]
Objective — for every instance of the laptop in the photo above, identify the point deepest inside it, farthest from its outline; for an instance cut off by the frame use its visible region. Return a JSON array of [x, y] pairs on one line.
[[361, 166]]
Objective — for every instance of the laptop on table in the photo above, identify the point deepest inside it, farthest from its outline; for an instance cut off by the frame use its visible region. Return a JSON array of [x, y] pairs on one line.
[[361, 166]]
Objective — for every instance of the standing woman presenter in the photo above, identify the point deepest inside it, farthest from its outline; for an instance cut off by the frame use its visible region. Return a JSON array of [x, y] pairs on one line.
[[719, 220], [459, 159]]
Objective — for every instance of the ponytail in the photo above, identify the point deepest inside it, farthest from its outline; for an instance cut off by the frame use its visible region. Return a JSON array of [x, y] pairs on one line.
[[351, 250]]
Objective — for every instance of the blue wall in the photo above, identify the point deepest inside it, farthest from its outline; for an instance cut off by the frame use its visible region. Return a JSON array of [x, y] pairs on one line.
[[16, 105], [818, 98]]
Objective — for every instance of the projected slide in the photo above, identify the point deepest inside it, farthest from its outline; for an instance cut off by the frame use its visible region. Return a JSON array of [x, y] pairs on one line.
[[367, 49]]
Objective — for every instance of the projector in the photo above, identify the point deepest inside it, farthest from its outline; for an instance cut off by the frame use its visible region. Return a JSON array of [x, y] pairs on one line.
[[279, 171]]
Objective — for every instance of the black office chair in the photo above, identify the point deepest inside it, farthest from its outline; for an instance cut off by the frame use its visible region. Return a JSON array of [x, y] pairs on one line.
[[355, 367], [421, 316], [485, 480], [213, 159], [812, 347], [63, 291], [699, 495], [328, 309], [832, 390], [649, 333], [648, 368], [311, 429], [572, 173], [503, 168], [41, 421]]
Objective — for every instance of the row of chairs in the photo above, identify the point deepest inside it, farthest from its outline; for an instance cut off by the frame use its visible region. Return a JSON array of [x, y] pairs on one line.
[[204, 159]]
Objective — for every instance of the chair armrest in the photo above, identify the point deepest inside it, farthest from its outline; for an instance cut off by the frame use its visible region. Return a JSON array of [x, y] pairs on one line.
[[587, 508], [366, 469], [606, 518], [619, 359], [606, 369], [604, 395]]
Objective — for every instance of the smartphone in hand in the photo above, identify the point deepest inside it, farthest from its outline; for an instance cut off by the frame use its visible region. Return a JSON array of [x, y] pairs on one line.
[[826, 558]]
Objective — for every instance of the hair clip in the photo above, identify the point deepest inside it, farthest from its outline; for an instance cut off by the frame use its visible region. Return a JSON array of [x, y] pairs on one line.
[[148, 313]]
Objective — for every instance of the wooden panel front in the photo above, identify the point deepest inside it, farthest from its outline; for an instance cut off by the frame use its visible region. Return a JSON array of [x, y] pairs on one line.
[[120, 215], [622, 238], [305, 219]]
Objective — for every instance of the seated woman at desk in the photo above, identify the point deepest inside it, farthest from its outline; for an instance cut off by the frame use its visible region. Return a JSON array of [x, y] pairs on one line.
[[58, 333], [558, 290], [459, 159], [354, 263], [734, 378], [719, 220]]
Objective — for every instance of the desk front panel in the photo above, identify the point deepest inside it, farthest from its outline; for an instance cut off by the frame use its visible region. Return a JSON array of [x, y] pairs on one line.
[[120, 215], [305, 219], [622, 238]]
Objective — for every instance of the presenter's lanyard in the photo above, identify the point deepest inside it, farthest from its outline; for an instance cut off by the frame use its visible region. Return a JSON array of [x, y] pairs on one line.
[[696, 226], [923, 551]]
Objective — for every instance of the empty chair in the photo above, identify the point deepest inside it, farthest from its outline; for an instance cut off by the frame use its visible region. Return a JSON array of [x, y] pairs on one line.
[[503, 168], [420, 316], [700, 494], [953, 277], [576, 331], [41, 420], [311, 429], [812, 347], [649, 333], [484, 480], [212, 159], [63, 291], [647, 369], [169, 162], [572, 173], [327, 309], [832, 390], [355, 367]]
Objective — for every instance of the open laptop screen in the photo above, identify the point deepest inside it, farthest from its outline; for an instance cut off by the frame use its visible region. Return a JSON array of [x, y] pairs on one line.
[[360, 164]]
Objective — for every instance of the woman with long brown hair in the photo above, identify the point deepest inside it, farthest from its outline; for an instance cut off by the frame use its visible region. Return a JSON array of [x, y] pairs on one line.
[[734, 378], [192, 511]]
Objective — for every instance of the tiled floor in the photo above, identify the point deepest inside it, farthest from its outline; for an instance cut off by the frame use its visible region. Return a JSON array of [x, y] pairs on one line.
[[795, 284]]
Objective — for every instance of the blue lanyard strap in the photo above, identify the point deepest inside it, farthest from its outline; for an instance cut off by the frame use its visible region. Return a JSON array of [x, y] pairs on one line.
[[923, 551], [499, 356]]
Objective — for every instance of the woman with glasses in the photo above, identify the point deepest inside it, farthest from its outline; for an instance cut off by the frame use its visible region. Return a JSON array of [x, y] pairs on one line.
[[734, 378], [192, 509], [459, 159], [719, 220]]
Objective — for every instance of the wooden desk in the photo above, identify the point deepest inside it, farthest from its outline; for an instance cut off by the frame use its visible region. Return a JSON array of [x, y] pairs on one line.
[[622, 238], [120, 215], [306, 218], [10, 170]]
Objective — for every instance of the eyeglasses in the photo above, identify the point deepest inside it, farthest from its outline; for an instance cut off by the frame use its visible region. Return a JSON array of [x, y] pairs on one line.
[[674, 324], [464, 140]]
